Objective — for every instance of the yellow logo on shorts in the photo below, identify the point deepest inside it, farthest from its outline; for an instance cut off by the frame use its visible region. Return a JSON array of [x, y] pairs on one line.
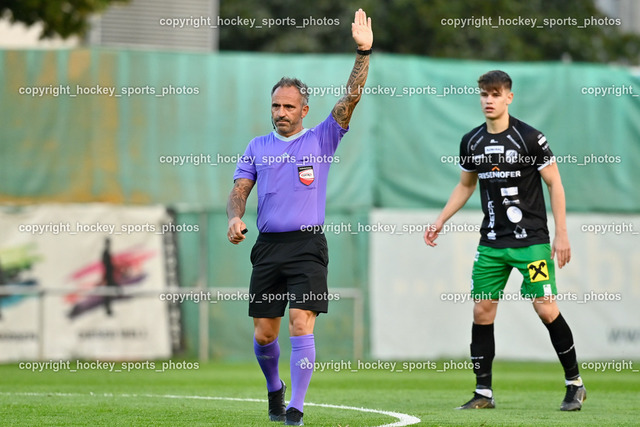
[[538, 271]]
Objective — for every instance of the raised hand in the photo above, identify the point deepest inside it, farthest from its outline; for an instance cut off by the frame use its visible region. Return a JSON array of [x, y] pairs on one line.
[[361, 30]]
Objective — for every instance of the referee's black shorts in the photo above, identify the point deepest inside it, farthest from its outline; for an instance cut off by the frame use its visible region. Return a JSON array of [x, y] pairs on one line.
[[291, 268]]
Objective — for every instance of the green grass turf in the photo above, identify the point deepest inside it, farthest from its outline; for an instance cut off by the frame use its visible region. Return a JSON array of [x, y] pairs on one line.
[[526, 394]]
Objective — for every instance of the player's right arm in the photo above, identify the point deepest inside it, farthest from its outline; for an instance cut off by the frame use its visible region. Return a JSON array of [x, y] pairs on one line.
[[457, 200], [235, 209]]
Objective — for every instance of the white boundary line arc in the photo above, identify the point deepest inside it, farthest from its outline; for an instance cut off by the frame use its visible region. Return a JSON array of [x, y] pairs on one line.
[[403, 419]]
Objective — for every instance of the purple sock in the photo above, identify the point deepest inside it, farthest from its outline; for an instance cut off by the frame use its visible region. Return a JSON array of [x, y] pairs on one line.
[[268, 356], [303, 357]]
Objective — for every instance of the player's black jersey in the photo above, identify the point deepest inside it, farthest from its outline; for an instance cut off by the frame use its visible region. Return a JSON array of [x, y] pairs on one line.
[[508, 165]]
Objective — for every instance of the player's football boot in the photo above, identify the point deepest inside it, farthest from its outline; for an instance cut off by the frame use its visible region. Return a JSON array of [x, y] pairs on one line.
[[294, 418], [479, 402], [277, 410], [573, 398]]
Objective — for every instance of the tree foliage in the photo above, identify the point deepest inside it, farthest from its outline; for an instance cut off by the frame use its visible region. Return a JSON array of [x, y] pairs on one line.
[[59, 17], [417, 27]]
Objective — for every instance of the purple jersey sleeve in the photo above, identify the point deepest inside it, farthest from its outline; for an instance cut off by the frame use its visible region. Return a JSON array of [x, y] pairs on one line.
[[329, 134], [246, 168]]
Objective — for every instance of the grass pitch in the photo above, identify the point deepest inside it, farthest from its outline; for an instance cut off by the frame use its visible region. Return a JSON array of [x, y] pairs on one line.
[[526, 394]]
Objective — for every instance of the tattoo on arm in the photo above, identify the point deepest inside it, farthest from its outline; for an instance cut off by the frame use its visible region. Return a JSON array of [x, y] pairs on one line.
[[344, 107], [238, 197]]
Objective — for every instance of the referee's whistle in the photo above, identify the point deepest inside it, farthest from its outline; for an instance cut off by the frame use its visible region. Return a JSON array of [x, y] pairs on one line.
[[244, 231]]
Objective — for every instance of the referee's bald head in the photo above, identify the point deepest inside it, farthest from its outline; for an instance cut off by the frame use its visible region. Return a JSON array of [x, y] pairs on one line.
[[293, 82], [495, 80]]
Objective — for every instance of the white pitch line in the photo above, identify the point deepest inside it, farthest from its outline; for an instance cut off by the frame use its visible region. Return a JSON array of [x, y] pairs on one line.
[[403, 419]]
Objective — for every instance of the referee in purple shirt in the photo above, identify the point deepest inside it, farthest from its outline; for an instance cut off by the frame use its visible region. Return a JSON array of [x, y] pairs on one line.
[[289, 261]]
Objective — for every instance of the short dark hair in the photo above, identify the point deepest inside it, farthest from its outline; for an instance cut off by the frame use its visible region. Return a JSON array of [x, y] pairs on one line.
[[495, 79], [297, 83]]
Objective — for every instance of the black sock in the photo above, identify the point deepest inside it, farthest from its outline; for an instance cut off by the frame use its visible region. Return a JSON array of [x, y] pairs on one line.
[[483, 348], [562, 341]]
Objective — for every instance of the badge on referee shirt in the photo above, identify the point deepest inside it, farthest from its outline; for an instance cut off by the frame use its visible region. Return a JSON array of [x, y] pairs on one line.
[[305, 173]]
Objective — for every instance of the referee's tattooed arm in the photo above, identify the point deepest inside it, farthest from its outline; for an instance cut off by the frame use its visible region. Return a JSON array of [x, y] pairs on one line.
[[363, 36], [236, 207]]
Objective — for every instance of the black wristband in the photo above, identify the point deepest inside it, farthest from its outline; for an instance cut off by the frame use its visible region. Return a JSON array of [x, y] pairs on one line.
[[364, 52]]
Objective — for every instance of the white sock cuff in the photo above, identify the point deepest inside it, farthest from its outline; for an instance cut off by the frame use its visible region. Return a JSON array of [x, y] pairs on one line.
[[576, 382], [486, 392]]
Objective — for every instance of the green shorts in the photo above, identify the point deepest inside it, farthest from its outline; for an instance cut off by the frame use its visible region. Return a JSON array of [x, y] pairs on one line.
[[492, 267]]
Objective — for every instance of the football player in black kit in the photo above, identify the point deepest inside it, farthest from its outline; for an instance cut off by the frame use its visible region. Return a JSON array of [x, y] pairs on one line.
[[509, 158]]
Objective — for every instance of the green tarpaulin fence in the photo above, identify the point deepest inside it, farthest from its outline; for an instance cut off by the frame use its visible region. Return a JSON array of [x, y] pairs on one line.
[[134, 112]]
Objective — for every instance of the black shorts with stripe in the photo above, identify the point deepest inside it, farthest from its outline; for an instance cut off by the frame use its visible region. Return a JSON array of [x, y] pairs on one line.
[[288, 268]]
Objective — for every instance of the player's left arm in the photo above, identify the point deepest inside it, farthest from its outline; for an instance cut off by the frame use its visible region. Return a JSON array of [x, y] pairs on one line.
[[363, 36], [560, 246]]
